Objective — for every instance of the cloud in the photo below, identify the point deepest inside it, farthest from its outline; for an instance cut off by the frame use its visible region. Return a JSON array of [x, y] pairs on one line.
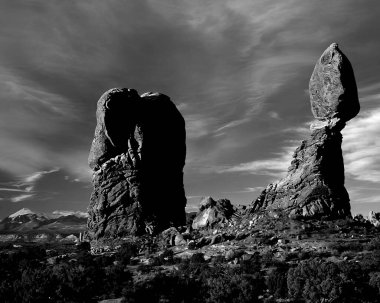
[[361, 148], [11, 189], [274, 167], [274, 115], [245, 190], [197, 126], [194, 197], [59, 213], [25, 185], [364, 195], [232, 124], [37, 175], [21, 198]]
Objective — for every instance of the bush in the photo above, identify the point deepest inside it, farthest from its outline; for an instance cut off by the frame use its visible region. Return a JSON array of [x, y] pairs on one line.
[[166, 257], [277, 282], [83, 246], [371, 262], [317, 281], [164, 288], [374, 281], [126, 252], [197, 258], [341, 247], [234, 287], [374, 244]]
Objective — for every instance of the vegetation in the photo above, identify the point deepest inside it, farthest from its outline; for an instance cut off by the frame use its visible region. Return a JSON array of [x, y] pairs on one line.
[[343, 271]]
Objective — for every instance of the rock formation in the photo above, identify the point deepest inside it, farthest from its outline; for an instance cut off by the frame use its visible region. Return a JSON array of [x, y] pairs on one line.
[[314, 185], [137, 157], [212, 212], [374, 218]]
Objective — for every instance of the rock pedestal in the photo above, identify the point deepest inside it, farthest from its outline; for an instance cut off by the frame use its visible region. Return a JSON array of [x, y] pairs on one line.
[[314, 185], [137, 157]]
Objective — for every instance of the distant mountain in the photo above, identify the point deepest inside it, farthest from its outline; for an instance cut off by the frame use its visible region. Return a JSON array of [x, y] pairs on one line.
[[26, 220], [64, 213]]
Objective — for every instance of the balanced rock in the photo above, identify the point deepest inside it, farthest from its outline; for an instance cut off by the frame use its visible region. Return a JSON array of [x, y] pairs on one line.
[[212, 212], [137, 157], [314, 185], [332, 87]]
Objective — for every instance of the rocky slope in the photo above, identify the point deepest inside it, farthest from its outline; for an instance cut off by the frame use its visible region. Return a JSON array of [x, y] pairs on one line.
[[314, 185], [137, 157]]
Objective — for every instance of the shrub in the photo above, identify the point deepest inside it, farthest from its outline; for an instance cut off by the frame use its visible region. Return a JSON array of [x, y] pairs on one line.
[[164, 288], [224, 284], [341, 247], [374, 244], [317, 281], [277, 282], [371, 262], [126, 252], [374, 281], [197, 258], [166, 257]]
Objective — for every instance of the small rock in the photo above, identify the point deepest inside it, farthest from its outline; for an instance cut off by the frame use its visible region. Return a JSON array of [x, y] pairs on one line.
[[216, 239], [179, 240], [246, 257], [374, 218]]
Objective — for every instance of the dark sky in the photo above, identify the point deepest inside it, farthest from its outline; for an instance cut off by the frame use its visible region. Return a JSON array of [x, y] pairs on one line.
[[237, 70]]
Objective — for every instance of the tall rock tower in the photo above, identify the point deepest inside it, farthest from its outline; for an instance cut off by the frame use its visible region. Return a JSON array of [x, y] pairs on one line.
[[314, 185], [137, 157]]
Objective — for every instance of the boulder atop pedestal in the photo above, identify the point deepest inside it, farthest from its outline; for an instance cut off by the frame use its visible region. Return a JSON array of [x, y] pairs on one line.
[[332, 87]]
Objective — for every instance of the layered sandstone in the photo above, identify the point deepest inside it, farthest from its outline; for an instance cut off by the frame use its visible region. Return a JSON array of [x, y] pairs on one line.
[[137, 157]]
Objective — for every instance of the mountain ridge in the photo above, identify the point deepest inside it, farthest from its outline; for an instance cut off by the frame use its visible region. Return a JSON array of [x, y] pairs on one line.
[[26, 220]]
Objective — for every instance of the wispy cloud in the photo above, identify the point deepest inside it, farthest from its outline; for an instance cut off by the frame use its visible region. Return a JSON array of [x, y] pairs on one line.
[[275, 167], [361, 147], [31, 179], [245, 190], [364, 195], [21, 198], [11, 189], [25, 186], [198, 126]]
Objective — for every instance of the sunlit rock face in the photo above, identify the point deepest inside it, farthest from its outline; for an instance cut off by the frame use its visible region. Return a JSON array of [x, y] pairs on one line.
[[314, 185], [137, 157]]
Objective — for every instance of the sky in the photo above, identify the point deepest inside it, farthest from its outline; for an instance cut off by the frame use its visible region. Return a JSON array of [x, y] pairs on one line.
[[237, 70]]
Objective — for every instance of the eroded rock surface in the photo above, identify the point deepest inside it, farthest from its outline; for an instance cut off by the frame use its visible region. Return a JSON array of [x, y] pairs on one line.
[[137, 157], [314, 185]]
